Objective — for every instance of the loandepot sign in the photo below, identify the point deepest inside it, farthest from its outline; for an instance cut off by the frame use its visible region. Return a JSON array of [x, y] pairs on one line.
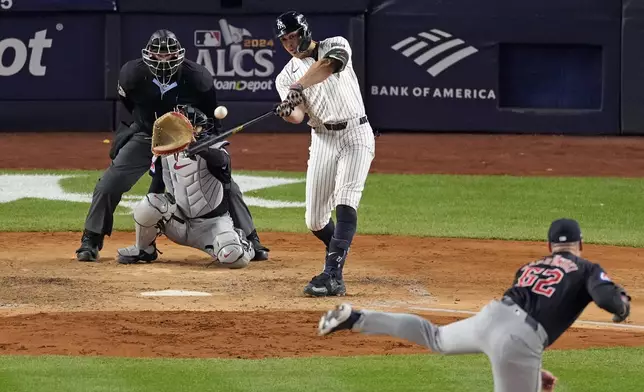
[[15, 187]]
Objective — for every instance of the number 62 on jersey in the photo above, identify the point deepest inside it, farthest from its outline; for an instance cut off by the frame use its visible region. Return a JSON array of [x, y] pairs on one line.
[[540, 279]]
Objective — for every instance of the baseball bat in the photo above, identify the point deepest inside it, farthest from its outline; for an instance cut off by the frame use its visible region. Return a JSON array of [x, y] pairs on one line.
[[214, 139]]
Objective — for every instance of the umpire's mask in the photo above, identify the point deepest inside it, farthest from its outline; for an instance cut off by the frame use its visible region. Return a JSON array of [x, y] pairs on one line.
[[163, 55]]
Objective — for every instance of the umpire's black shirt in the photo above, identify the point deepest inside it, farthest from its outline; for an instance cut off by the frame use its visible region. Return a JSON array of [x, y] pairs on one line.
[[555, 290], [147, 99]]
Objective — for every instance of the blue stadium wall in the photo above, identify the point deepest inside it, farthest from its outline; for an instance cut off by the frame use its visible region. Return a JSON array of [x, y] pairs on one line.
[[560, 67]]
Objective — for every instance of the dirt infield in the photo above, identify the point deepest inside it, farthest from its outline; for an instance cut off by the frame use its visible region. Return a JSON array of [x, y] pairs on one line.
[[395, 153], [54, 305]]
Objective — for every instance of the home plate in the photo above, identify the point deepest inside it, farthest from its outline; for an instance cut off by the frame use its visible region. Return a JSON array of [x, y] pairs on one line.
[[175, 293]]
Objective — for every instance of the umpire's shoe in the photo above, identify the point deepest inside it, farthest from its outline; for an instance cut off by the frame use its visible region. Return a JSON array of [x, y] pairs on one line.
[[325, 285], [91, 243], [342, 317], [134, 255], [261, 252]]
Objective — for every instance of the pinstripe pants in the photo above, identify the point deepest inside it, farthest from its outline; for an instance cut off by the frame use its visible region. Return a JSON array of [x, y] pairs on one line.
[[338, 165]]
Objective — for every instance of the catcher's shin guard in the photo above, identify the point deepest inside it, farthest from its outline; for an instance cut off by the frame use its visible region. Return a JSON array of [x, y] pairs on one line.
[[232, 250], [153, 208], [149, 215], [145, 236]]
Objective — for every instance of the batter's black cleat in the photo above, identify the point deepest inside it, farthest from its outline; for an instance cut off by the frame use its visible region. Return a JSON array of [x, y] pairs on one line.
[[91, 244], [134, 255], [342, 317], [325, 285]]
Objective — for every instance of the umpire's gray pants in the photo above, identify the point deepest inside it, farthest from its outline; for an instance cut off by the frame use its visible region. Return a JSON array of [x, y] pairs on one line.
[[130, 164], [239, 210], [498, 330]]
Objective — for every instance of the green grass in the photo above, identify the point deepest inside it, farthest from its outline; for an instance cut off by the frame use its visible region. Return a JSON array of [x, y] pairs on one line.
[[425, 205], [500, 207], [614, 369]]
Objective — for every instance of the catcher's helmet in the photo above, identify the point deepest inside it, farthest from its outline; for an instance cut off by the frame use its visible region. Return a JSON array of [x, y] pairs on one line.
[[163, 55], [202, 123], [294, 21]]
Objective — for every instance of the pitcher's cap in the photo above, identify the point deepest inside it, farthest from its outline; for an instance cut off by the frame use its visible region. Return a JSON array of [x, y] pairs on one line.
[[564, 230]]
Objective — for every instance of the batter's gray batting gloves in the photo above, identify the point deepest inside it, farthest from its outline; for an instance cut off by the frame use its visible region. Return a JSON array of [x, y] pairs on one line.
[[283, 109], [295, 95]]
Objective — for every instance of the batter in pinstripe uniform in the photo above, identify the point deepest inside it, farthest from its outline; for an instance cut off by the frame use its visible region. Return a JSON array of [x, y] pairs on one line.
[[319, 81]]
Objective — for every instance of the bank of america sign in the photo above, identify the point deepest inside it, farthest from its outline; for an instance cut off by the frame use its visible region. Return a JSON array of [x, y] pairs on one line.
[[436, 49]]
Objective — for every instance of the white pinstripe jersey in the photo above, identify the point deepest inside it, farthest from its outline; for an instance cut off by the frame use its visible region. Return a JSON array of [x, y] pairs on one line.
[[336, 99]]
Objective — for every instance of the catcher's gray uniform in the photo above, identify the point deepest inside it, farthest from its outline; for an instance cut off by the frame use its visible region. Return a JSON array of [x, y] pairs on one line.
[[192, 212]]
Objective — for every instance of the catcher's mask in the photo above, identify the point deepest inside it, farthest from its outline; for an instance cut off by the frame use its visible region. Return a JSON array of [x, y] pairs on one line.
[[163, 55], [292, 21], [201, 123]]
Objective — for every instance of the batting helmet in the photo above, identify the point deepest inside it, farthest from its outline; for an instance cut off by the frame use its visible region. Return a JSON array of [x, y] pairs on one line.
[[163, 55], [292, 21]]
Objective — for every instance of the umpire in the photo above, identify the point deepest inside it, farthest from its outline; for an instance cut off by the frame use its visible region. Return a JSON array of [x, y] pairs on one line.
[[148, 88]]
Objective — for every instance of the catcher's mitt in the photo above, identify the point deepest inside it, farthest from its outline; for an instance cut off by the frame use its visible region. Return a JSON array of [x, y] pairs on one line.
[[171, 133]]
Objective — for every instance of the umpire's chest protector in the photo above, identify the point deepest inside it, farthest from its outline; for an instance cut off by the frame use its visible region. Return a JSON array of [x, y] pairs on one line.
[[196, 191]]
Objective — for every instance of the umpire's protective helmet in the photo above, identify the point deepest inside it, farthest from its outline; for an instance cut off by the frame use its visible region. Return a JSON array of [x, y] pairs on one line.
[[294, 21], [163, 55]]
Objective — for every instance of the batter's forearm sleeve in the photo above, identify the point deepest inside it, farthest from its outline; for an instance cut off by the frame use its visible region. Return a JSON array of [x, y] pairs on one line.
[[405, 326]]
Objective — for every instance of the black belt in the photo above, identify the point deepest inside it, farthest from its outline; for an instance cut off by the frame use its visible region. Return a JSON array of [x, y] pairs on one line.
[[534, 324], [221, 209], [342, 125]]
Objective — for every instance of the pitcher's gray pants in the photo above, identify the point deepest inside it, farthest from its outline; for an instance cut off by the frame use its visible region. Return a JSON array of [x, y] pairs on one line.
[[130, 164], [498, 330]]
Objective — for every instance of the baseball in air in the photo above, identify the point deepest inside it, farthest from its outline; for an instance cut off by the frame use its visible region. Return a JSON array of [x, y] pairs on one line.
[[221, 112]]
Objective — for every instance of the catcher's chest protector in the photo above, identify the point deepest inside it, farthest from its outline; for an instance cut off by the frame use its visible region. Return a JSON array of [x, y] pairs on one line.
[[195, 189]]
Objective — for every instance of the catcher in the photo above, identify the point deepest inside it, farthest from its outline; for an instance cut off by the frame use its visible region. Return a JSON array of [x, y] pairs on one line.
[[148, 87], [188, 201]]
